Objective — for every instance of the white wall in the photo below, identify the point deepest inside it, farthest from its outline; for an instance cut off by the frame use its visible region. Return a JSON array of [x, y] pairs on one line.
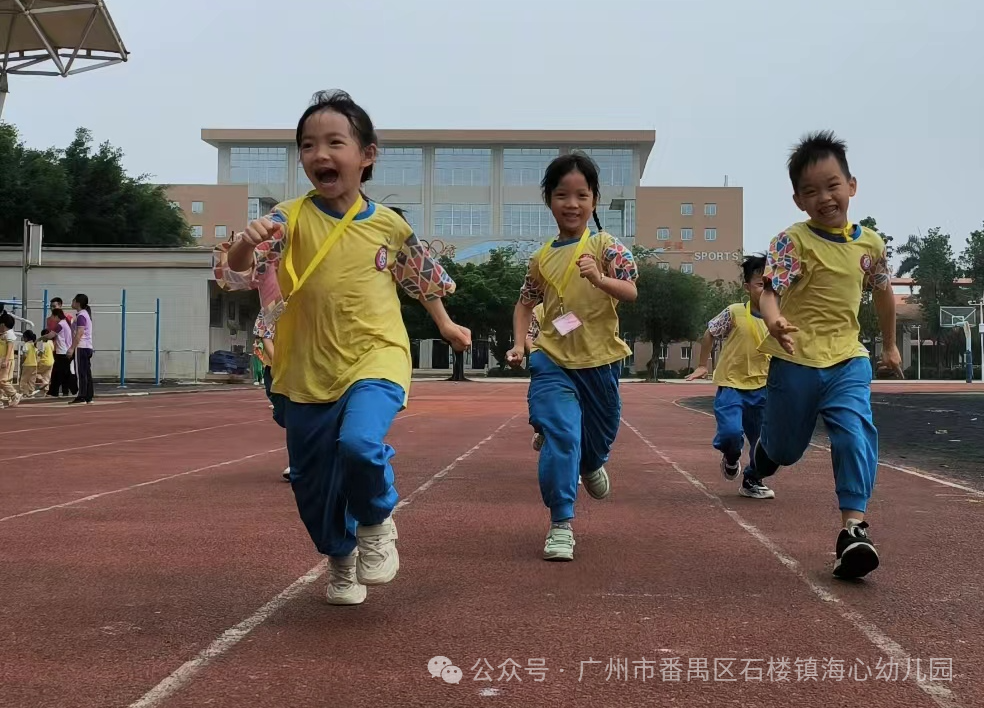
[[184, 296]]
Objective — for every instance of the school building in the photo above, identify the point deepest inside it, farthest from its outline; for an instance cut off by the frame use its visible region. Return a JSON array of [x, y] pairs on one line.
[[467, 192]]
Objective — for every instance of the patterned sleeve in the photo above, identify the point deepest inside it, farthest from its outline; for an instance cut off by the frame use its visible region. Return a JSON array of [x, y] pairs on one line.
[[419, 274], [782, 265], [879, 275], [720, 326], [531, 294], [261, 330], [534, 330], [619, 261], [265, 256]]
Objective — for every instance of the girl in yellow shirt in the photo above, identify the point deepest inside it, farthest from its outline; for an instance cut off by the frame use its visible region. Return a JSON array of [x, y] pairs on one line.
[[342, 366], [573, 397]]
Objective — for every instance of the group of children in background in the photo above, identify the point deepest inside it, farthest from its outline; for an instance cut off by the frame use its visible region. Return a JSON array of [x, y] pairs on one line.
[[342, 367], [37, 361]]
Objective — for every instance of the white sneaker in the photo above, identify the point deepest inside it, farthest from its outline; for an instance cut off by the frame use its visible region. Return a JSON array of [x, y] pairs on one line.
[[16, 401], [378, 559], [286, 474], [597, 483], [343, 586], [559, 545], [537, 442]]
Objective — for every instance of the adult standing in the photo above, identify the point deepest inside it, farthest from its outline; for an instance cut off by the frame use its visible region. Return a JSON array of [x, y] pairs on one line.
[[62, 378], [52, 322], [81, 349]]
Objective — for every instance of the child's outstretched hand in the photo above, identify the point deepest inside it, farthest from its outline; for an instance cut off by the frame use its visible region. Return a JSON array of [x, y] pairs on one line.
[[514, 357], [589, 269], [260, 230], [781, 330], [457, 336], [890, 366], [698, 373]]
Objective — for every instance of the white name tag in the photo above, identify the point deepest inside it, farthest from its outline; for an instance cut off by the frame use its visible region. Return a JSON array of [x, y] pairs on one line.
[[566, 323]]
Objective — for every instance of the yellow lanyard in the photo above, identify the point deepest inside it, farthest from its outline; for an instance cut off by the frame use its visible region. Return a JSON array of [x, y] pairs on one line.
[[336, 233], [756, 331], [561, 287]]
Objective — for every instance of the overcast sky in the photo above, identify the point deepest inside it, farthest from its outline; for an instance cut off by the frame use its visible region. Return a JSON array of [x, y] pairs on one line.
[[728, 86]]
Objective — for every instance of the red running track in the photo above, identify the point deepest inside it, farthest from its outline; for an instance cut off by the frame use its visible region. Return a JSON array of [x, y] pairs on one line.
[[152, 557]]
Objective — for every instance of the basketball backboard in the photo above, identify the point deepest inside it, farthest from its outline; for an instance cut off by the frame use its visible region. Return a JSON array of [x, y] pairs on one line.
[[957, 316]]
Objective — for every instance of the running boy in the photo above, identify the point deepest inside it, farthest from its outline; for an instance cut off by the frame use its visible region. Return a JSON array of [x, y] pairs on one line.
[[814, 275], [740, 376], [342, 366], [573, 396]]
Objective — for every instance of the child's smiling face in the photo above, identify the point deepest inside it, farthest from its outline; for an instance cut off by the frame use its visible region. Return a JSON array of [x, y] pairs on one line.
[[331, 155], [824, 192]]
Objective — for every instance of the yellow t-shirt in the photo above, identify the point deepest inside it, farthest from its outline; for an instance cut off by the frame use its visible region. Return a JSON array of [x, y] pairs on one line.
[[819, 277], [30, 355], [596, 342], [345, 324], [740, 365], [47, 354]]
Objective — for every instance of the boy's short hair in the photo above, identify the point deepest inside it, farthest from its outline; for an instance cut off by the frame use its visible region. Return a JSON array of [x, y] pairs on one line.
[[44, 332], [7, 320], [813, 148], [29, 336], [755, 263]]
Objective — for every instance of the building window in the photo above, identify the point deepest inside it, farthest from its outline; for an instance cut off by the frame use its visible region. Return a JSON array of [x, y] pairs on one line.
[[462, 220], [710, 234], [611, 221], [663, 352], [220, 232], [687, 234], [414, 214], [614, 165], [303, 183], [462, 167], [176, 205], [522, 167], [686, 351], [196, 231], [258, 165], [687, 268], [663, 265], [710, 210], [399, 167], [197, 207], [686, 209], [662, 234], [252, 209], [527, 220]]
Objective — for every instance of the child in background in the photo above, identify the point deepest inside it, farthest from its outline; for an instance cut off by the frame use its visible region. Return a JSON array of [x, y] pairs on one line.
[[8, 350], [573, 395], [263, 353], [46, 361], [814, 276], [740, 376], [343, 365], [29, 365]]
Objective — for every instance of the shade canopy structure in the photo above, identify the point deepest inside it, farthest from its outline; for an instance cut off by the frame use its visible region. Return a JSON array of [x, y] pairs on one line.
[[56, 38]]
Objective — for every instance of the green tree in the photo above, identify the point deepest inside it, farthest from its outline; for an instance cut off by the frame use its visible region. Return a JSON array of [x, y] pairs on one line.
[[870, 223], [934, 269], [972, 259], [670, 308], [82, 197], [483, 302]]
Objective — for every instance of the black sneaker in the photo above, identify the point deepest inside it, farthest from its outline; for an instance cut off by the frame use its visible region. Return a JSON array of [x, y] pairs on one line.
[[730, 470], [754, 489], [856, 554]]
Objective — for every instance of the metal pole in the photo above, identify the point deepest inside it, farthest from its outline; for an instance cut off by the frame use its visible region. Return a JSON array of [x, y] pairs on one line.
[[157, 344], [25, 260], [918, 354], [44, 306], [980, 328], [123, 340]]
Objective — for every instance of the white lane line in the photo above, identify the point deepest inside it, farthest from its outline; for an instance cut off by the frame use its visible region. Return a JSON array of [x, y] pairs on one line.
[[185, 673], [137, 486], [897, 468], [941, 695], [132, 440]]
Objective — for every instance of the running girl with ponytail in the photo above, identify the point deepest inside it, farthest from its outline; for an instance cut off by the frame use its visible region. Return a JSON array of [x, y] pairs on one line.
[[575, 361]]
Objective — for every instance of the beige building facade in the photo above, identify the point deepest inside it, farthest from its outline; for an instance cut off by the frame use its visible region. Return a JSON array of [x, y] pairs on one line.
[[214, 211]]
